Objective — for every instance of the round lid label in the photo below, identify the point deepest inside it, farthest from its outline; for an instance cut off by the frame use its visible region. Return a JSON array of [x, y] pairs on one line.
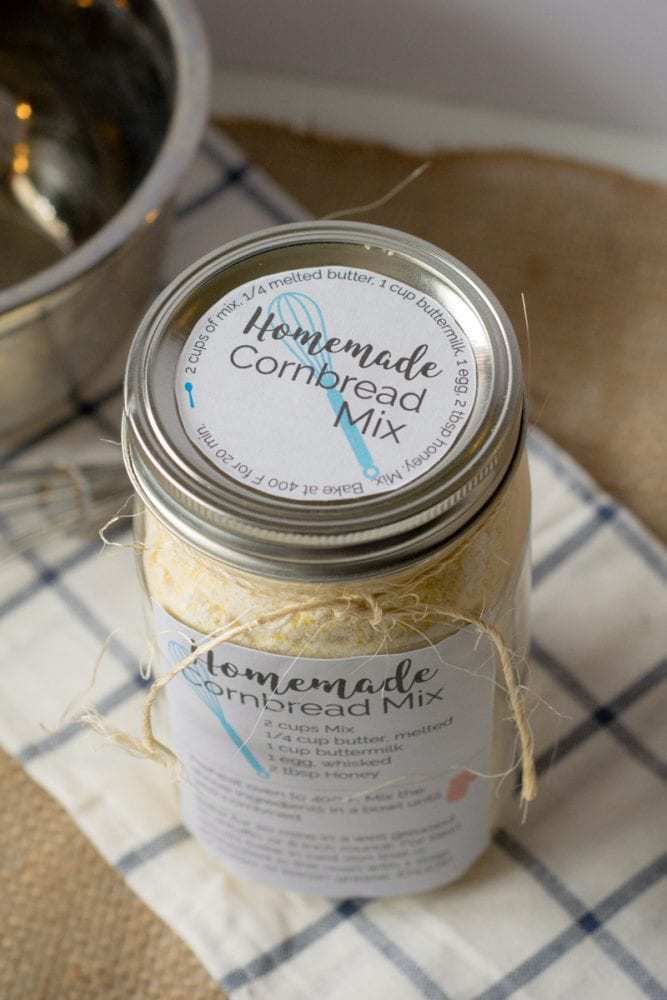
[[326, 383]]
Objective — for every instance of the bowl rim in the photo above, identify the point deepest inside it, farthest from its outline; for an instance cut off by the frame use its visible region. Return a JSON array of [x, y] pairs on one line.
[[186, 127]]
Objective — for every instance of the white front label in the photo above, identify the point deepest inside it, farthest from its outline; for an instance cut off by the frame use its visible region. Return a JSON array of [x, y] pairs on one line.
[[325, 383], [341, 777]]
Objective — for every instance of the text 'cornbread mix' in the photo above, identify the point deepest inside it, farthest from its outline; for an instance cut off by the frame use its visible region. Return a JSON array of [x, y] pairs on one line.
[[324, 424]]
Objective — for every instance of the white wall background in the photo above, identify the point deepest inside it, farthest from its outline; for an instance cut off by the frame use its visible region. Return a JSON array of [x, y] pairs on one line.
[[593, 62]]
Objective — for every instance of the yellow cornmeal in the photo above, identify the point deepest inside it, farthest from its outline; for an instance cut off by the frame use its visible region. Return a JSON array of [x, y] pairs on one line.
[[476, 576]]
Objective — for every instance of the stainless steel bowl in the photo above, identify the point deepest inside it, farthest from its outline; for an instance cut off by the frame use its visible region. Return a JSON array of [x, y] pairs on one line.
[[102, 106]]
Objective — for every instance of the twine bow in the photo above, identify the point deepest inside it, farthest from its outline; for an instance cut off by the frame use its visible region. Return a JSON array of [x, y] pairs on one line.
[[150, 747]]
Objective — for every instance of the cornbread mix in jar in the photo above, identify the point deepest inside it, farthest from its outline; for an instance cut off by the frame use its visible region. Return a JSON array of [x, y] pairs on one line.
[[324, 426]]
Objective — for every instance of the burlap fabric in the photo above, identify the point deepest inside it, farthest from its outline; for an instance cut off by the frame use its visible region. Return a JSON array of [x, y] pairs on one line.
[[589, 250]]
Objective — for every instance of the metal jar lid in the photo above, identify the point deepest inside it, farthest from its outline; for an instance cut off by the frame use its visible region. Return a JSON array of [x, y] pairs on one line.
[[340, 538]]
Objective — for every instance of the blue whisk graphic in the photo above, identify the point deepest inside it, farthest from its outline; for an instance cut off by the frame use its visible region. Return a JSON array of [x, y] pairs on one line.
[[177, 652], [296, 309]]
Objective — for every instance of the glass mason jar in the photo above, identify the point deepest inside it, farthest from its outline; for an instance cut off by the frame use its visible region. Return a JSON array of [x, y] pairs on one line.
[[324, 425]]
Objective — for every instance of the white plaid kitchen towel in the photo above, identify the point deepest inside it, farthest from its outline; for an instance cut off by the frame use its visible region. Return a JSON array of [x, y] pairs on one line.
[[570, 905]]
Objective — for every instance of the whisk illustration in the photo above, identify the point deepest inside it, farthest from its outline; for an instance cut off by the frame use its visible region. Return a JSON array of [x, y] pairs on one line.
[[296, 309], [176, 652], [37, 504]]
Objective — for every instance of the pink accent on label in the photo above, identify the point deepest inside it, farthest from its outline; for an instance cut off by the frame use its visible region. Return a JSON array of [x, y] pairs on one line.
[[458, 786]]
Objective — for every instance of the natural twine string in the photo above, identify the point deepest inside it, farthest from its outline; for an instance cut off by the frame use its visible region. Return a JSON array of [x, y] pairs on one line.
[[384, 199], [150, 747]]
